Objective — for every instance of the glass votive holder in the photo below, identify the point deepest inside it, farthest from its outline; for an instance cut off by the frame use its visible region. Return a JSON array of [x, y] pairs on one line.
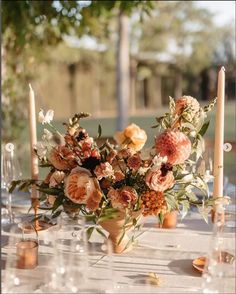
[[27, 254]]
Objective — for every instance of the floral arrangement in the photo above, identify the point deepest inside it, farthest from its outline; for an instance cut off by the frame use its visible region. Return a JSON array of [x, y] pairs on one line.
[[101, 181]]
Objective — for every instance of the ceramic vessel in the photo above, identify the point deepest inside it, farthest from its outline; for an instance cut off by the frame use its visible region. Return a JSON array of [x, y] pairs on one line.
[[170, 220], [118, 232]]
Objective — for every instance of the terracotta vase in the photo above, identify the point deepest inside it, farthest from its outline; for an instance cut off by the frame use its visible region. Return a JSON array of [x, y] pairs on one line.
[[115, 228], [170, 220]]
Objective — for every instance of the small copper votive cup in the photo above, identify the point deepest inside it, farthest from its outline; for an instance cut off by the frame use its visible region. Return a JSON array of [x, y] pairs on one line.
[[27, 254]]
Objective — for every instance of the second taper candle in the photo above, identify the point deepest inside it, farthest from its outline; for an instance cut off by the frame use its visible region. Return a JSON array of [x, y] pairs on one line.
[[219, 137], [33, 140]]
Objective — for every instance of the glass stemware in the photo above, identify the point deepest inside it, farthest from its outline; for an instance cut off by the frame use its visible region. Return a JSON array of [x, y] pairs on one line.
[[219, 271], [10, 170], [69, 268]]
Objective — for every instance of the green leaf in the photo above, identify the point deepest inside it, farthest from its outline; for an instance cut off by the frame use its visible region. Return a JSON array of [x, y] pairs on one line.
[[45, 208], [56, 214], [128, 244], [185, 208], [121, 237], [134, 222], [209, 107], [161, 217], [90, 218], [13, 185], [89, 232], [101, 232], [204, 212], [24, 187], [43, 197], [204, 128], [171, 105], [49, 191], [99, 131], [57, 203], [155, 126]]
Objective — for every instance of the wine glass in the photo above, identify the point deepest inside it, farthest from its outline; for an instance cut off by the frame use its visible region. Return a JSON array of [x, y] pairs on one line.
[[219, 271], [10, 170], [70, 262], [102, 275]]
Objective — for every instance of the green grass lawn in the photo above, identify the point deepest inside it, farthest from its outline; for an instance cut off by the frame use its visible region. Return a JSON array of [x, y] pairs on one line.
[[145, 122]]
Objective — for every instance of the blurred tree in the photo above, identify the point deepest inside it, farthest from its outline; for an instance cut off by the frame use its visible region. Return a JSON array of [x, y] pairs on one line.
[[30, 25], [183, 34]]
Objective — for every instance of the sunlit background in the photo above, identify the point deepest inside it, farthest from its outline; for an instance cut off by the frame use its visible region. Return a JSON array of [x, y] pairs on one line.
[[71, 52]]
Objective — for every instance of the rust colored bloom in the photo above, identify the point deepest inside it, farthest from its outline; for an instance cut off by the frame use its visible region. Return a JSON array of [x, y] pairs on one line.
[[153, 203], [159, 182], [94, 200], [105, 184], [119, 176], [173, 144], [124, 153], [134, 162], [104, 170], [111, 156], [123, 197], [62, 158]]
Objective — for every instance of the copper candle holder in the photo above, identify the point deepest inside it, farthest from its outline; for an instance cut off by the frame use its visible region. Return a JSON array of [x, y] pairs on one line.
[[27, 254]]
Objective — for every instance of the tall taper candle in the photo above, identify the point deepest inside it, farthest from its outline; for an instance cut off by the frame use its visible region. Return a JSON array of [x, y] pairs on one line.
[[33, 141], [219, 137]]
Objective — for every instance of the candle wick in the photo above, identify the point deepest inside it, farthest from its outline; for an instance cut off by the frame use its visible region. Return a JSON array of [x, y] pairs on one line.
[[30, 87], [223, 68]]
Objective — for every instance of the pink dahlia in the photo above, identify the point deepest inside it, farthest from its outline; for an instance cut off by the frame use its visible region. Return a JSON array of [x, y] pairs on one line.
[[175, 145]]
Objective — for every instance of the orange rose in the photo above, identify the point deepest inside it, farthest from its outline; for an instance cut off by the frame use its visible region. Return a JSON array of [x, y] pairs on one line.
[[82, 188], [132, 137]]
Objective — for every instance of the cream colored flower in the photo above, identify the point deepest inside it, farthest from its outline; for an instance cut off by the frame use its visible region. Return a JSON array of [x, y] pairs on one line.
[[132, 137], [159, 182], [41, 149], [47, 135], [47, 118]]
